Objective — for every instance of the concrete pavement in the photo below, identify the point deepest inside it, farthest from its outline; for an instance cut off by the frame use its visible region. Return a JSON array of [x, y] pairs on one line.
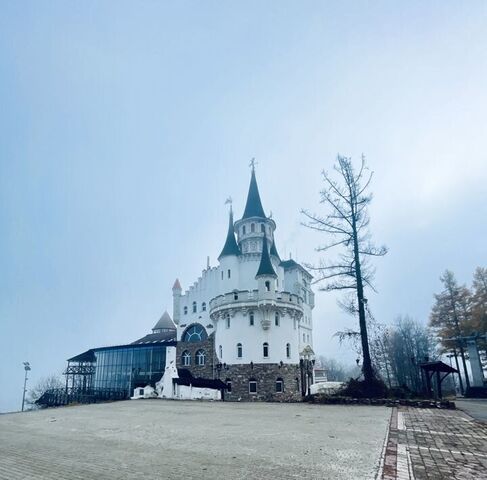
[[176, 440], [475, 407]]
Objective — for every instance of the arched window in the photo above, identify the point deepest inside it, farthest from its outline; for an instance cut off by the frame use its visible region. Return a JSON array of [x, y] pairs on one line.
[[186, 358], [252, 227], [194, 307], [220, 351], [279, 385], [203, 307], [276, 319], [265, 349], [239, 350], [228, 320], [252, 386], [235, 295], [185, 310], [222, 274], [251, 319], [262, 228], [228, 381], [288, 350], [243, 230], [229, 273], [195, 333], [304, 337], [200, 357]]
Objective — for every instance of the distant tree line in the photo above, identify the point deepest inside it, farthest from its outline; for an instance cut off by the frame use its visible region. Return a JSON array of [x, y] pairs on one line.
[[459, 312]]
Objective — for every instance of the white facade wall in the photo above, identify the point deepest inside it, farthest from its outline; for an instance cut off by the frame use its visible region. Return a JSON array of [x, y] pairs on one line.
[[217, 281], [253, 337], [183, 392]]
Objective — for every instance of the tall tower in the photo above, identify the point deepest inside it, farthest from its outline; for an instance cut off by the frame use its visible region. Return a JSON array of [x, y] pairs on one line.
[[254, 224]]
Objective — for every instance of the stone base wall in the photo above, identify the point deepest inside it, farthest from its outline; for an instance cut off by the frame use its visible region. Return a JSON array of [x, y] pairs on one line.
[[207, 370], [265, 375]]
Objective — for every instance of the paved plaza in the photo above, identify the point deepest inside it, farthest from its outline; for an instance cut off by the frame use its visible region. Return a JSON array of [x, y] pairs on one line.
[[176, 440], [432, 444]]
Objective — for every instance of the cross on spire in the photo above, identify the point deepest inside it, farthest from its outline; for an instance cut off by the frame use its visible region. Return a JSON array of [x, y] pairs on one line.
[[253, 163]]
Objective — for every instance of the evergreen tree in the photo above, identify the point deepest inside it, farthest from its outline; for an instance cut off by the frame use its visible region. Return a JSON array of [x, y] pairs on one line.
[[450, 316]]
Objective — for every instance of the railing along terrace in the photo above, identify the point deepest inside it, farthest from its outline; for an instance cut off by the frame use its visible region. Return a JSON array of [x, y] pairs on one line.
[[55, 397], [251, 296]]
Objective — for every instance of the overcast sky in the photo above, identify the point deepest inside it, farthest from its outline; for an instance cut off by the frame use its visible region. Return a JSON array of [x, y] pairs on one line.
[[125, 126]]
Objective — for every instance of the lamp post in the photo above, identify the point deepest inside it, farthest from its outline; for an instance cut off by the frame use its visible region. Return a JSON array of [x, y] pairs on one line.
[[26, 368]]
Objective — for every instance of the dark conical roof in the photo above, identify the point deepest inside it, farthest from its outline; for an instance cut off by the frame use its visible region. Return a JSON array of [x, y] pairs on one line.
[[165, 322], [265, 267], [231, 246], [253, 207], [274, 250]]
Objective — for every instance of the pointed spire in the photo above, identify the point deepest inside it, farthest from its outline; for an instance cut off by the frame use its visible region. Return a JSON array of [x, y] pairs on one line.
[[253, 207], [274, 251], [165, 323], [265, 267], [230, 247], [177, 285]]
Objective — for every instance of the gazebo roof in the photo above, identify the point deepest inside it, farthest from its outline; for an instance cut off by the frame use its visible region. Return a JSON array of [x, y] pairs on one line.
[[437, 367]]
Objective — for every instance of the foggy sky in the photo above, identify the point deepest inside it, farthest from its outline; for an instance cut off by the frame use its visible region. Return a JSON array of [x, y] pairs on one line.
[[125, 126]]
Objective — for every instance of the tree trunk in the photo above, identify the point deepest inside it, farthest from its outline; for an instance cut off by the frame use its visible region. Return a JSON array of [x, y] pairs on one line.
[[367, 363], [459, 334], [462, 354], [462, 391]]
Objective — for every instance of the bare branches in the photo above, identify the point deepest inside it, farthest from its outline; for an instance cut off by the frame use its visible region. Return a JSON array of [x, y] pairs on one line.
[[346, 220], [345, 201]]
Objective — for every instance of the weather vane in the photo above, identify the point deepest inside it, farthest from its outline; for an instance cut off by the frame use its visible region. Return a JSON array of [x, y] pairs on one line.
[[253, 163], [228, 201]]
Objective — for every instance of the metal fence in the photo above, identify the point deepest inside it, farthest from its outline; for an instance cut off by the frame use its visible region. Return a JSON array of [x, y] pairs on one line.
[[60, 396]]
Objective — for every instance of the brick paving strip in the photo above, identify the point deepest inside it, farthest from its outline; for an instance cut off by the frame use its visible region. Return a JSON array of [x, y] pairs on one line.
[[434, 444]]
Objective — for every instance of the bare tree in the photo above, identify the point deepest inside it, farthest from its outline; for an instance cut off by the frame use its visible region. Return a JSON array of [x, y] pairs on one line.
[[46, 383], [346, 220], [401, 347], [336, 371]]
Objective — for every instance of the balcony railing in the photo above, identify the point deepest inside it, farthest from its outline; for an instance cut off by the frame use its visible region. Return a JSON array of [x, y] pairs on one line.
[[242, 297]]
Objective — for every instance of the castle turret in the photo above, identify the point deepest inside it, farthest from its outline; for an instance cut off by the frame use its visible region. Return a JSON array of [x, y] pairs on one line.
[[266, 279], [176, 301], [254, 224], [228, 258], [231, 246]]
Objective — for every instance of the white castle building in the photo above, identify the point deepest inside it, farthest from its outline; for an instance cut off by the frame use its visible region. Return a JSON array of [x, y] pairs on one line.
[[248, 321]]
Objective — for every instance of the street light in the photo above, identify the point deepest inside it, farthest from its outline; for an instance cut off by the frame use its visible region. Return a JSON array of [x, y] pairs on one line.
[[26, 368]]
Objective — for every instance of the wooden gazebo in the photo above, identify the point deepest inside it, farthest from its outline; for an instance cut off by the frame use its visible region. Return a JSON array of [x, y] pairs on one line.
[[430, 368]]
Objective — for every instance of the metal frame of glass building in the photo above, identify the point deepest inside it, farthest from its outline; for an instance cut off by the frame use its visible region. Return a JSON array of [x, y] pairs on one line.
[[119, 369]]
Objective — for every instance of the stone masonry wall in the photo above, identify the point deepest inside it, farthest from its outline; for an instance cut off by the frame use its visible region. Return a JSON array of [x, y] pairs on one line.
[[201, 371], [265, 375]]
